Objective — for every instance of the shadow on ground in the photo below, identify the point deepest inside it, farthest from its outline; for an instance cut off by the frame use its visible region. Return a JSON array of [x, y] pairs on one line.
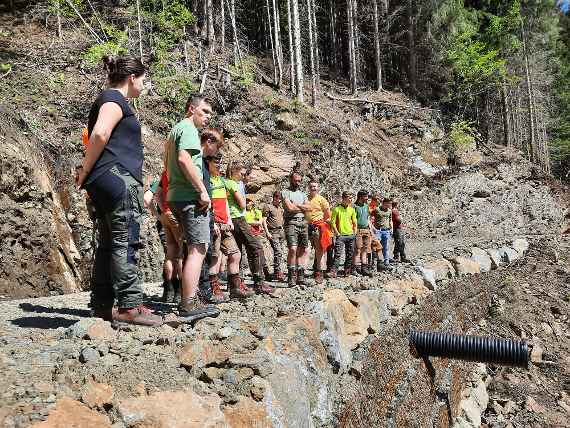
[[43, 322]]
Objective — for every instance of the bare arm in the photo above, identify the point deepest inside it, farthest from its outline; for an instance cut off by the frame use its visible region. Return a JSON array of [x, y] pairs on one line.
[[194, 176], [265, 228], [327, 214], [109, 115], [290, 206]]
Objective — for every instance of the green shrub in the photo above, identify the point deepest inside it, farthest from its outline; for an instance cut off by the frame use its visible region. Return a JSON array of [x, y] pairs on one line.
[[462, 135], [115, 46], [246, 71]]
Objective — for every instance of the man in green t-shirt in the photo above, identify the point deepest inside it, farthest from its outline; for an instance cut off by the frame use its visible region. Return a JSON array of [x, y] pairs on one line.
[[188, 197]]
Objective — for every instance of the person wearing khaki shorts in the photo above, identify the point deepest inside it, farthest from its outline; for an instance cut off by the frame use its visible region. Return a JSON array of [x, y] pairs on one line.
[[363, 234]]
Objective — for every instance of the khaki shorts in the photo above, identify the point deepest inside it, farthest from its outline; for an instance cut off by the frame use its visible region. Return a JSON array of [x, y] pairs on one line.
[[173, 233], [364, 240], [224, 243], [297, 233]]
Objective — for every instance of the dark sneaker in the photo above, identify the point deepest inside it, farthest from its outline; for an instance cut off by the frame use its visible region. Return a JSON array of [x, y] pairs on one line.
[[141, 315], [331, 274], [264, 288], [406, 260], [168, 292], [193, 309]]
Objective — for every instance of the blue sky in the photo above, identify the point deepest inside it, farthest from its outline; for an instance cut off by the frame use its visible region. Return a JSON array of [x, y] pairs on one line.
[[564, 5]]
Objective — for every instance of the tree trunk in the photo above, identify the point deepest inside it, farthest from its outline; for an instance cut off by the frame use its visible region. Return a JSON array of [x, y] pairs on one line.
[[291, 48], [316, 44], [223, 25], [333, 46], [299, 84], [277, 42], [377, 47], [195, 13], [140, 29], [312, 53], [506, 114], [412, 62], [357, 58], [210, 35], [272, 43], [351, 47], [237, 51], [58, 15], [531, 118]]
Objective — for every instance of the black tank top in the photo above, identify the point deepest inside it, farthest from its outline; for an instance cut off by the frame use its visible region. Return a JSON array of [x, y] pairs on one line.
[[124, 147]]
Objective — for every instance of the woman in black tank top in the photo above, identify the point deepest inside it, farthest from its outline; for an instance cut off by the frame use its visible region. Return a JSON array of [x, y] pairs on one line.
[[111, 172]]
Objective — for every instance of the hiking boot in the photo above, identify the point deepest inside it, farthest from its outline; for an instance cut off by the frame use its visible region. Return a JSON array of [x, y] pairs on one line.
[[141, 315], [218, 296], [356, 270], [177, 284], [301, 277], [278, 276], [347, 271], [238, 289], [331, 273], [262, 287], [168, 292], [291, 278], [318, 277], [266, 274], [194, 308], [406, 260], [366, 271]]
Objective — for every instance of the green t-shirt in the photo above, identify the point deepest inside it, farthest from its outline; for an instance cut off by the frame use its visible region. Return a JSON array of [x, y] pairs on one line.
[[184, 136], [233, 188], [344, 218], [362, 213]]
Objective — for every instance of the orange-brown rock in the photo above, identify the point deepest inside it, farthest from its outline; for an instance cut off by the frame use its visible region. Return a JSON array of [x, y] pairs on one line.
[[247, 413], [173, 409], [97, 394], [69, 413]]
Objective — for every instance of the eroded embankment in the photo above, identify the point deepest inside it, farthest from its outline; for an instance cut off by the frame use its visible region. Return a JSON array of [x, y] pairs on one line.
[[397, 389]]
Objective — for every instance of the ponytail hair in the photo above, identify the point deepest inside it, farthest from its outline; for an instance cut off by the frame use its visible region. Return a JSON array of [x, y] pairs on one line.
[[119, 68]]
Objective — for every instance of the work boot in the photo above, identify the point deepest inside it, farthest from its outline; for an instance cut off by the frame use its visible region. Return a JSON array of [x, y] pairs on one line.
[[177, 283], [347, 271], [218, 296], [366, 271], [291, 277], [301, 277], [406, 260], [278, 276], [357, 270], [379, 266], [267, 275], [261, 287], [318, 277], [238, 289], [193, 307], [168, 292], [331, 273], [141, 315]]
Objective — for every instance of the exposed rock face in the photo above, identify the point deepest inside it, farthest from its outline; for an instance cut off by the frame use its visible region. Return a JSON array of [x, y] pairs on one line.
[[442, 269], [465, 266], [482, 258], [37, 251]]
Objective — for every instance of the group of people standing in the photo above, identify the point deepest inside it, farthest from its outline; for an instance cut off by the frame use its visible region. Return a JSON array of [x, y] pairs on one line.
[[207, 220]]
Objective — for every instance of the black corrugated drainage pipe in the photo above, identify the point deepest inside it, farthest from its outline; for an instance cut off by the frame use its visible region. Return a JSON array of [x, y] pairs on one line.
[[491, 350]]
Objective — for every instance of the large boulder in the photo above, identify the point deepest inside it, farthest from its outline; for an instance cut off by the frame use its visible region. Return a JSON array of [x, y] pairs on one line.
[[247, 413], [465, 266], [442, 269], [508, 255], [482, 258], [286, 122], [202, 353], [520, 246], [173, 409], [70, 413], [495, 256]]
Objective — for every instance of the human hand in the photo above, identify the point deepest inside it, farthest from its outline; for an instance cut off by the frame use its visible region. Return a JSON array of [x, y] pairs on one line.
[[80, 176], [203, 201], [216, 230]]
